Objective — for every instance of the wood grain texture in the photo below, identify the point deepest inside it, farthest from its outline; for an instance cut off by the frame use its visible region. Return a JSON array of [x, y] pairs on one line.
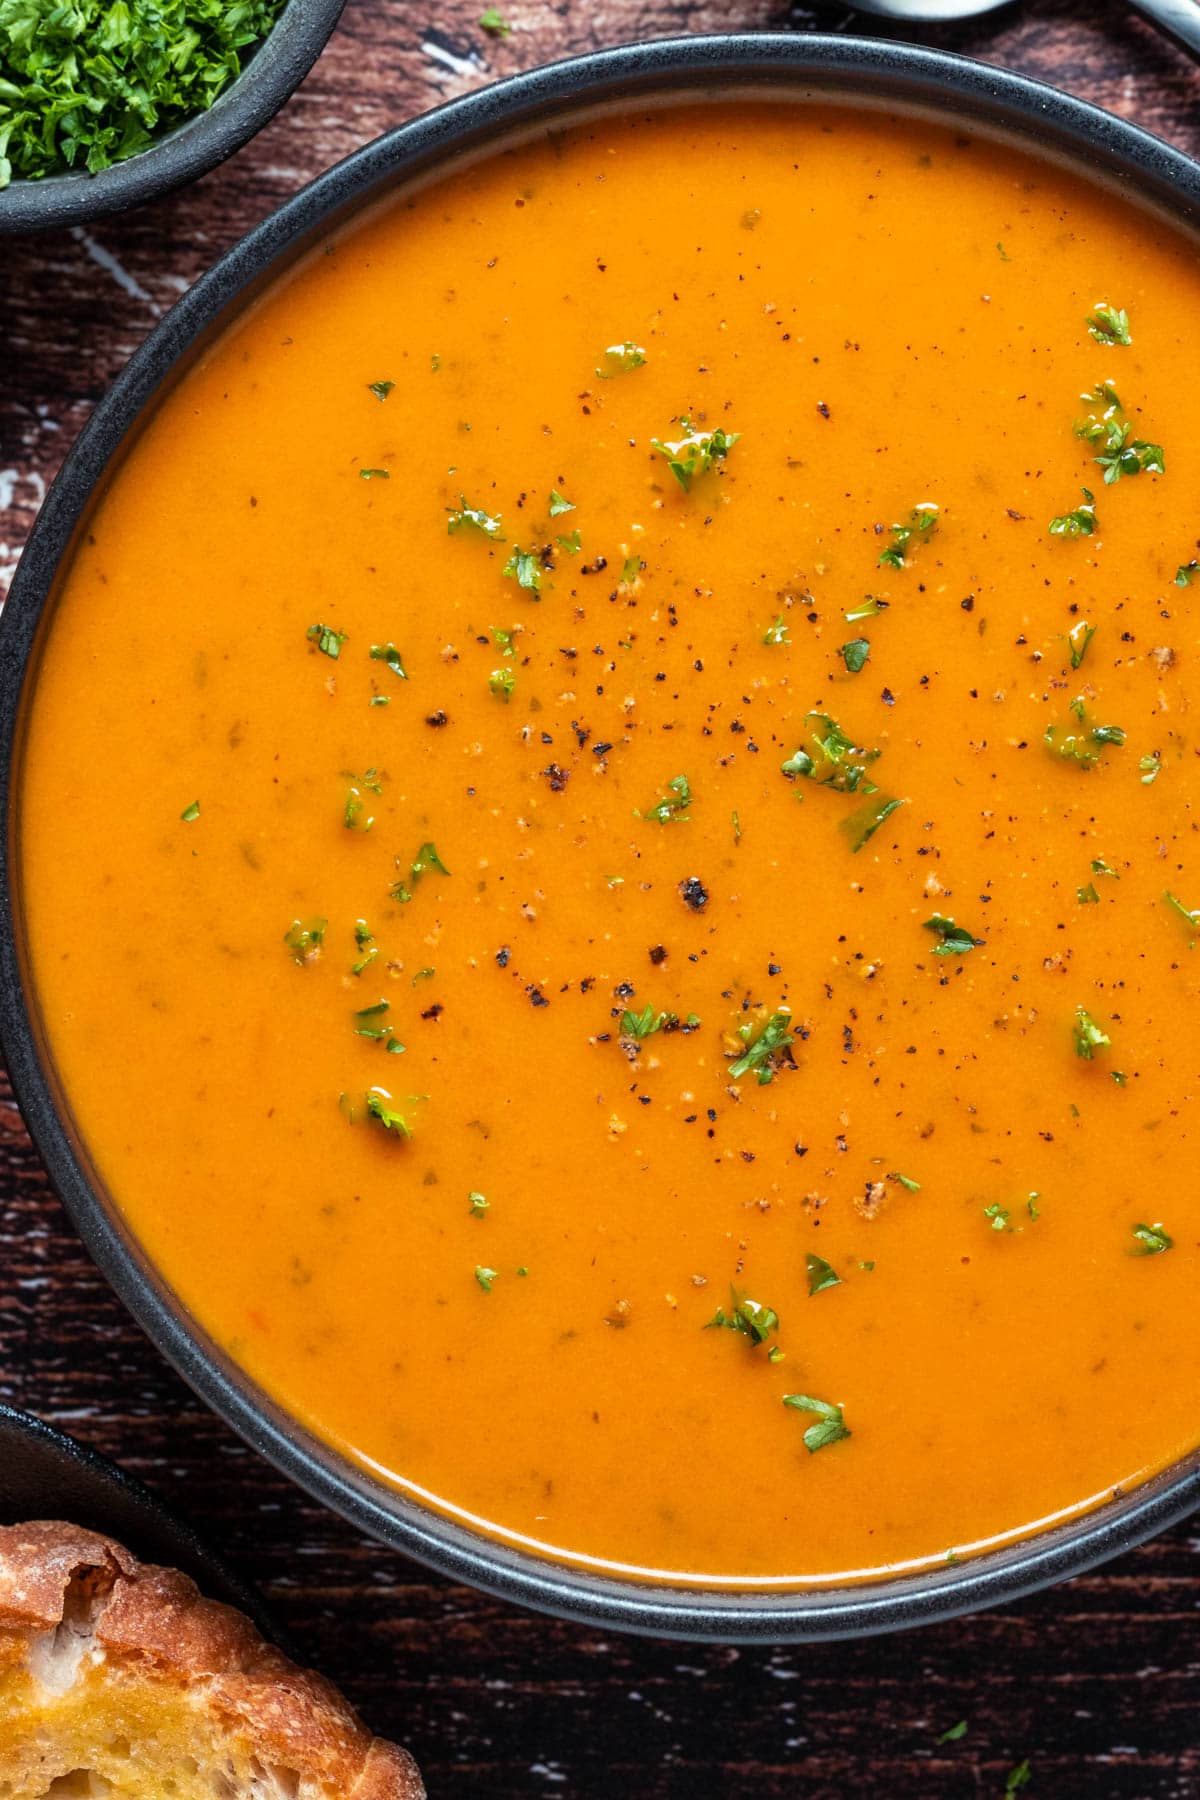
[[1098, 1682]]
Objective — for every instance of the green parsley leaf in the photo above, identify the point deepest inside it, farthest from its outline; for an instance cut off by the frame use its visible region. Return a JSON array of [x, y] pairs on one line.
[[954, 940], [385, 1115], [472, 518], [485, 1278], [572, 543], [427, 858], [631, 570], [524, 567], [862, 824], [906, 1181], [371, 1025], [870, 608], [389, 654], [1087, 896], [1109, 326], [491, 20], [328, 641], [370, 782], [477, 1205], [922, 523], [304, 941], [364, 938], [749, 1317], [1080, 523], [620, 359], [1088, 1035], [1100, 867], [374, 475], [1151, 1240], [1078, 639], [1022, 1775], [955, 1734], [673, 807], [998, 1215], [834, 760], [502, 682], [830, 1426], [696, 452], [1188, 572], [645, 1023], [558, 505], [1082, 747], [821, 1275], [191, 813], [855, 654], [765, 1051], [1177, 906], [381, 389], [1151, 767], [777, 633]]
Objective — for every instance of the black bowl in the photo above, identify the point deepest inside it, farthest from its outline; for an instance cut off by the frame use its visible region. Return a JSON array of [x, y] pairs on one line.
[[889, 75], [46, 1475], [273, 72]]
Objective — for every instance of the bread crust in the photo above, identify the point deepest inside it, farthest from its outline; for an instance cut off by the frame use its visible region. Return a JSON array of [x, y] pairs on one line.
[[154, 1621]]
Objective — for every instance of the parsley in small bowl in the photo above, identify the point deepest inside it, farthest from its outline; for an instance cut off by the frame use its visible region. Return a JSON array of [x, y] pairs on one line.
[[105, 104]]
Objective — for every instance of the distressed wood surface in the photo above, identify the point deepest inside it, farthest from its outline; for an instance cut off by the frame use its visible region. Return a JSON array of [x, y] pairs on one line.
[[1097, 1682]]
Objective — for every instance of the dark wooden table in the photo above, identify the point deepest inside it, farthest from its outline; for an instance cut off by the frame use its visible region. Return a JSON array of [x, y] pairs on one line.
[[1097, 1683]]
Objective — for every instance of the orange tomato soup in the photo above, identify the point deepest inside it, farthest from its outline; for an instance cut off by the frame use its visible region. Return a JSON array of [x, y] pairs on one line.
[[615, 902]]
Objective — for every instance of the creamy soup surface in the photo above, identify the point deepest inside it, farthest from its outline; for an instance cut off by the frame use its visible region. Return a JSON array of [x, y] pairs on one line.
[[608, 841]]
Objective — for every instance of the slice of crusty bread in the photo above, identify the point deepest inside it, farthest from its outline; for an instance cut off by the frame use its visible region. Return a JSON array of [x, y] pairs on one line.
[[117, 1678]]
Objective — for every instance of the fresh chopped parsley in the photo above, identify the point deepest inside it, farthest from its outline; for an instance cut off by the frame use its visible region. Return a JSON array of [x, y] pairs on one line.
[[524, 567], [673, 806], [1151, 1240], [370, 1024], [1151, 767], [821, 1275], [631, 570], [1078, 639], [426, 858], [834, 760], [855, 654], [954, 1735], [86, 85], [620, 359], [559, 505], [997, 1215], [696, 452], [572, 543], [1109, 325], [381, 389], [1119, 453], [477, 1205], [1188, 572], [502, 682], [374, 475], [328, 641], [472, 518], [1080, 523], [304, 941], [191, 813], [389, 654], [906, 1181], [493, 21], [1177, 906], [922, 523], [1087, 896], [352, 817], [1100, 867], [830, 1426], [870, 607], [862, 824], [1082, 746], [749, 1317], [485, 1277], [766, 1051], [1089, 1037], [385, 1115], [645, 1023], [953, 940], [777, 631], [364, 939]]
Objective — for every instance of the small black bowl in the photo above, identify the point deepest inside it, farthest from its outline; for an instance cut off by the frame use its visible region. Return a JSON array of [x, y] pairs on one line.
[[46, 1475], [273, 72], [1043, 121]]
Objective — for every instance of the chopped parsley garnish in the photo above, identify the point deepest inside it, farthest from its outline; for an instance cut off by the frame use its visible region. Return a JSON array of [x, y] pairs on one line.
[[364, 939], [389, 654], [559, 505], [374, 475], [643, 1024], [906, 1181], [1087, 896], [835, 760], [620, 359], [304, 941], [631, 570], [1119, 454], [696, 452], [1078, 639], [1022, 1774], [922, 523], [673, 806], [953, 940], [1083, 746], [1188, 572], [870, 608], [777, 631], [524, 567], [749, 1317], [954, 1735], [997, 1215], [572, 543], [385, 1115], [830, 1425], [1080, 523], [821, 1275], [1151, 1240], [1088, 1035], [1109, 325], [765, 1052], [1151, 767], [191, 813], [862, 824], [381, 389], [855, 654], [90, 84], [426, 858], [328, 641], [370, 1024], [485, 1277], [477, 1205], [372, 783], [1100, 867], [493, 21], [472, 518], [502, 682], [1177, 906]]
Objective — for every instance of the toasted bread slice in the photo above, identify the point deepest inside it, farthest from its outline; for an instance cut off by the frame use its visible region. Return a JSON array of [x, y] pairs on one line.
[[119, 1679]]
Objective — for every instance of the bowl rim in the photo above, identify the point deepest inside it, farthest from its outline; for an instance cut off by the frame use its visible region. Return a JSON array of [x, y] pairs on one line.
[[1042, 119], [269, 77]]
